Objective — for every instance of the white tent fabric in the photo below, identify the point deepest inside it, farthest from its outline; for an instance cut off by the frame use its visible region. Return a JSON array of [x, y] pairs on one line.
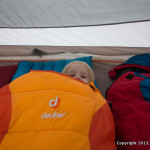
[[126, 35], [62, 13]]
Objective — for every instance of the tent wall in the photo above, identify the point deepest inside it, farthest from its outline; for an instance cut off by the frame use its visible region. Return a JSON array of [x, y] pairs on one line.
[[62, 13], [16, 50], [124, 35]]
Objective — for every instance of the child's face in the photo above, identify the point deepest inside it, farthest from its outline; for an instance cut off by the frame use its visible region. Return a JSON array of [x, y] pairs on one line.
[[79, 71]]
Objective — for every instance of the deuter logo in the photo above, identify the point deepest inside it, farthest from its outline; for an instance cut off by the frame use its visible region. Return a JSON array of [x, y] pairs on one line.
[[54, 102], [54, 115]]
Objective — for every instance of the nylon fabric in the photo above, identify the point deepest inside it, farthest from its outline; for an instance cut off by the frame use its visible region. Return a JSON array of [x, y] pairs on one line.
[[36, 125]]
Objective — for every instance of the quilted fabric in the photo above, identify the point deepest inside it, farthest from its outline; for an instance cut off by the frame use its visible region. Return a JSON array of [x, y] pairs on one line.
[[53, 111]]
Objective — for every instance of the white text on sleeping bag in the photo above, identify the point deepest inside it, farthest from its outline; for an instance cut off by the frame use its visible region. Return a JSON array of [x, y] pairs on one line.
[[53, 103]]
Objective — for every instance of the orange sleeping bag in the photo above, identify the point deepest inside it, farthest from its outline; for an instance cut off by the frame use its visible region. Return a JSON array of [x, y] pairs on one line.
[[50, 111]]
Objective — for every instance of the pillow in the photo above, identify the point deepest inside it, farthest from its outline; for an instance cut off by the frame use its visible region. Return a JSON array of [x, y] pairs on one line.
[[6, 74], [25, 66]]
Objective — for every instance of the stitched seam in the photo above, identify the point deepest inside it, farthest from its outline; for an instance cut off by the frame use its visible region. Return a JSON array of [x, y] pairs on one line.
[[49, 130], [54, 90]]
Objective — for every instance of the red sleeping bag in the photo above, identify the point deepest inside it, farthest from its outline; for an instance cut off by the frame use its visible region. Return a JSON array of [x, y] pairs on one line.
[[131, 112]]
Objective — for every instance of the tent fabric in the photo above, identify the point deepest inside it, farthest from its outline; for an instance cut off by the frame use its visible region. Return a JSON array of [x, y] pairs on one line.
[[56, 13], [121, 35], [106, 51]]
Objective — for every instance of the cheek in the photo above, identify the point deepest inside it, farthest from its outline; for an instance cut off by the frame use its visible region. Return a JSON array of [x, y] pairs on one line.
[[88, 80], [85, 80]]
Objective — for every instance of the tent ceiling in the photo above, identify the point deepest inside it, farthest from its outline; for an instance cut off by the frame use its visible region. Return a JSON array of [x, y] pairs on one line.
[[129, 35], [62, 13]]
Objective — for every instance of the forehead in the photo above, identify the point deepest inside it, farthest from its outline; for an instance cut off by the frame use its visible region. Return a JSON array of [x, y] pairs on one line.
[[78, 66]]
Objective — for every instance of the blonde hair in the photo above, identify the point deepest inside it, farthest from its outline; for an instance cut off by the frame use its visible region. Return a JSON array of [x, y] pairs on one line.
[[90, 71]]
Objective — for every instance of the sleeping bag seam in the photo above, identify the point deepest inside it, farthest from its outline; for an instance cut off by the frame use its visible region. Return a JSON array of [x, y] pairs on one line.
[[47, 130], [48, 90]]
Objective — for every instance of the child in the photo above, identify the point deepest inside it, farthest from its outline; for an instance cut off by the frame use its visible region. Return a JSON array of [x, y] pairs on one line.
[[80, 70]]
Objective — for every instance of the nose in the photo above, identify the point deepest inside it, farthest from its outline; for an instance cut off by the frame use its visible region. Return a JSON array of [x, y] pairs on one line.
[[77, 77]]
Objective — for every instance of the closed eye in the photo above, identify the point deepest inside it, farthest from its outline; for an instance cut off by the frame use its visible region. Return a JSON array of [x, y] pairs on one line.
[[83, 76], [72, 75]]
